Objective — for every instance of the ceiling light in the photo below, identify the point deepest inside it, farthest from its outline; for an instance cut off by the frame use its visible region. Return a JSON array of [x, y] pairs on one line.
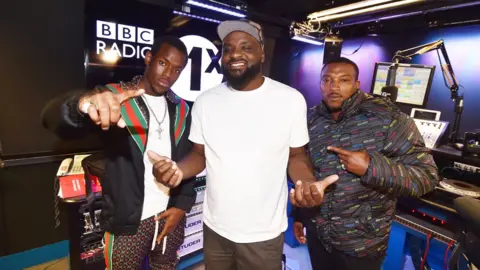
[[344, 8], [195, 16], [307, 40], [366, 10], [215, 8]]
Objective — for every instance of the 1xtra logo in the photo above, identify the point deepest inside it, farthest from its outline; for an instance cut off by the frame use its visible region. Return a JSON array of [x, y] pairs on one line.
[[203, 69], [132, 41]]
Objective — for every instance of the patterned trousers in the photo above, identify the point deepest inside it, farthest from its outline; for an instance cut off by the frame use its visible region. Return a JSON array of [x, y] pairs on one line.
[[128, 252]]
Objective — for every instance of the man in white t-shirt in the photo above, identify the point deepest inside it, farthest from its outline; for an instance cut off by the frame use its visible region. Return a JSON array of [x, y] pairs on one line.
[[247, 131]]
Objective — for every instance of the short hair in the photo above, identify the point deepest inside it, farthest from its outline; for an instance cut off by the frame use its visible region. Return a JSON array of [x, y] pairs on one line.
[[342, 60], [172, 41]]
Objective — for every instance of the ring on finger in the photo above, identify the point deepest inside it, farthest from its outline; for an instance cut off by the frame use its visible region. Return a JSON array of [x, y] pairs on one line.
[[343, 166], [86, 106]]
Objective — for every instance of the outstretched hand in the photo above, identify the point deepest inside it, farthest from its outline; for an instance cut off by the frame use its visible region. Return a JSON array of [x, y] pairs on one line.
[[310, 194], [165, 171], [356, 162], [172, 217], [103, 108]]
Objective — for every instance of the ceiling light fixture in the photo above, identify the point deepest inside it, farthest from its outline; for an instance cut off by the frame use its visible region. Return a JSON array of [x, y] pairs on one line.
[[307, 40], [408, 14], [195, 16], [344, 8], [216, 8], [365, 10]]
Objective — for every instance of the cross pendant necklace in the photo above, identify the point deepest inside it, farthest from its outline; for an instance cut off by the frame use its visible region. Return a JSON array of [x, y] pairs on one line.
[[159, 129]]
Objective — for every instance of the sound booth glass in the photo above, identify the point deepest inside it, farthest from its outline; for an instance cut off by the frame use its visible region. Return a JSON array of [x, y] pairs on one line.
[[118, 36], [413, 82]]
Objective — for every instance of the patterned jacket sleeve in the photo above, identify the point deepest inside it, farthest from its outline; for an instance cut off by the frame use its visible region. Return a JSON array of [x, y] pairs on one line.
[[404, 166]]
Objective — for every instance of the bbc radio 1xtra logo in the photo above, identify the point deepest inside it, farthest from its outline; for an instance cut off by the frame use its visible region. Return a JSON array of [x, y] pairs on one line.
[[125, 41], [203, 70]]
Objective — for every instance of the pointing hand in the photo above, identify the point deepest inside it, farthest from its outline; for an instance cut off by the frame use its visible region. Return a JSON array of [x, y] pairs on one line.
[[103, 107]]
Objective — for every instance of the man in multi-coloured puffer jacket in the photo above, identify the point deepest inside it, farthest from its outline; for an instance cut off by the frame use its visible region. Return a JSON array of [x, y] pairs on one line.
[[378, 154]]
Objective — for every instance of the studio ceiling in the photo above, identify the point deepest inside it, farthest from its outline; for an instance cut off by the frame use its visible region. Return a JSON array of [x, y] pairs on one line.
[[429, 13], [294, 9], [426, 14]]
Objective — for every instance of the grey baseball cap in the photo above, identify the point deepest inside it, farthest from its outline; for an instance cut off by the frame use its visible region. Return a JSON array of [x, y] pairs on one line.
[[249, 27]]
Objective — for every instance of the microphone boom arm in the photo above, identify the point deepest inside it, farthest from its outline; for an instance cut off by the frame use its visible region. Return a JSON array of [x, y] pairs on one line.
[[448, 75]]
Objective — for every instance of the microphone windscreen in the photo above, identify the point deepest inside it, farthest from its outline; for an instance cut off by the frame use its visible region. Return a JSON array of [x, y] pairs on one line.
[[391, 92]]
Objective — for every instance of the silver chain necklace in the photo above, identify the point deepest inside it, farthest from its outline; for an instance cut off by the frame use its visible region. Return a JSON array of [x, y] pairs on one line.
[[159, 129]]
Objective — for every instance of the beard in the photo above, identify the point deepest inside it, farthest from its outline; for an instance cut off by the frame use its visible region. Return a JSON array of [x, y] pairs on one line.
[[236, 81], [334, 109]]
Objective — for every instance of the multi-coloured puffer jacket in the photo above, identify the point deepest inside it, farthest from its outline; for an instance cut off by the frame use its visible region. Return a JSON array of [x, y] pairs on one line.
[[357, 212]]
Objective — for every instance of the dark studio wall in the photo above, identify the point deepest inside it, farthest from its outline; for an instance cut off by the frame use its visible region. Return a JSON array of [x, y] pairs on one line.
[[41, 57], [299, 64]]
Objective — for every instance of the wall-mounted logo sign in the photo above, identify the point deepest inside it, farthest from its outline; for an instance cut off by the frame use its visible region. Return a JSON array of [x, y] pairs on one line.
[[203, 70], [191, 244], [124, 40]]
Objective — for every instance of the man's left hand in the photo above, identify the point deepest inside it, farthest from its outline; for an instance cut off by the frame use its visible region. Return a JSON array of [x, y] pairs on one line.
[[310, 194], [356, 162], [173, 216]]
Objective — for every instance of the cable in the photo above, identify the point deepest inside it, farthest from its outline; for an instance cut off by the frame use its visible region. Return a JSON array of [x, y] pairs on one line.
[[445, 257], [422, 264], [355, 51], [453, 169]]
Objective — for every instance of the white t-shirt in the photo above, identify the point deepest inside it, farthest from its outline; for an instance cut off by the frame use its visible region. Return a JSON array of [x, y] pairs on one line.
[[247, 136], [156, 195]]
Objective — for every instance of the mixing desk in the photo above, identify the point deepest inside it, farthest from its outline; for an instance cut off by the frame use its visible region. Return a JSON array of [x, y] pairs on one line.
[[430, 225], [432, 131]]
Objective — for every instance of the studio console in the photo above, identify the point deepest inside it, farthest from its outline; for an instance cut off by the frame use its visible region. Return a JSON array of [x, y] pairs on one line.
[[466, 168], [432, 131], [438, 229]]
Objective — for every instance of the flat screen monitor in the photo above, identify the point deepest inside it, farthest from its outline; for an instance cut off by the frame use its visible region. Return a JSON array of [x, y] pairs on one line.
[[413, 82]]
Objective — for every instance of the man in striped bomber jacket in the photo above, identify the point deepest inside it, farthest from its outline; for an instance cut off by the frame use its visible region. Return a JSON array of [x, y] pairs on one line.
[[138, 121], [378, 154]]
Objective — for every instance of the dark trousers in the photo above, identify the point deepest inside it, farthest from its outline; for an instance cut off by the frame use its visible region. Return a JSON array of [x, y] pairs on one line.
[[336, 260], [223, 254]]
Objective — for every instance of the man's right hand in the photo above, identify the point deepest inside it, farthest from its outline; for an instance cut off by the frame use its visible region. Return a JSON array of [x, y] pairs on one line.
[[310, 194], [103, 107], [299, 233], [166, 171]]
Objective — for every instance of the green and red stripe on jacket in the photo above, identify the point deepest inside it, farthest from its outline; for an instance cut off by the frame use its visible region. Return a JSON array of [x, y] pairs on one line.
[[137, 124]]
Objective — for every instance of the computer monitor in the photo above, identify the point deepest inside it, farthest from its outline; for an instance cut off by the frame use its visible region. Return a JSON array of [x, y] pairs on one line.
[[413, 82]]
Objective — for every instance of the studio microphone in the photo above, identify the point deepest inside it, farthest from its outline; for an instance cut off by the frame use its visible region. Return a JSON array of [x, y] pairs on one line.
[[390, 90]]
